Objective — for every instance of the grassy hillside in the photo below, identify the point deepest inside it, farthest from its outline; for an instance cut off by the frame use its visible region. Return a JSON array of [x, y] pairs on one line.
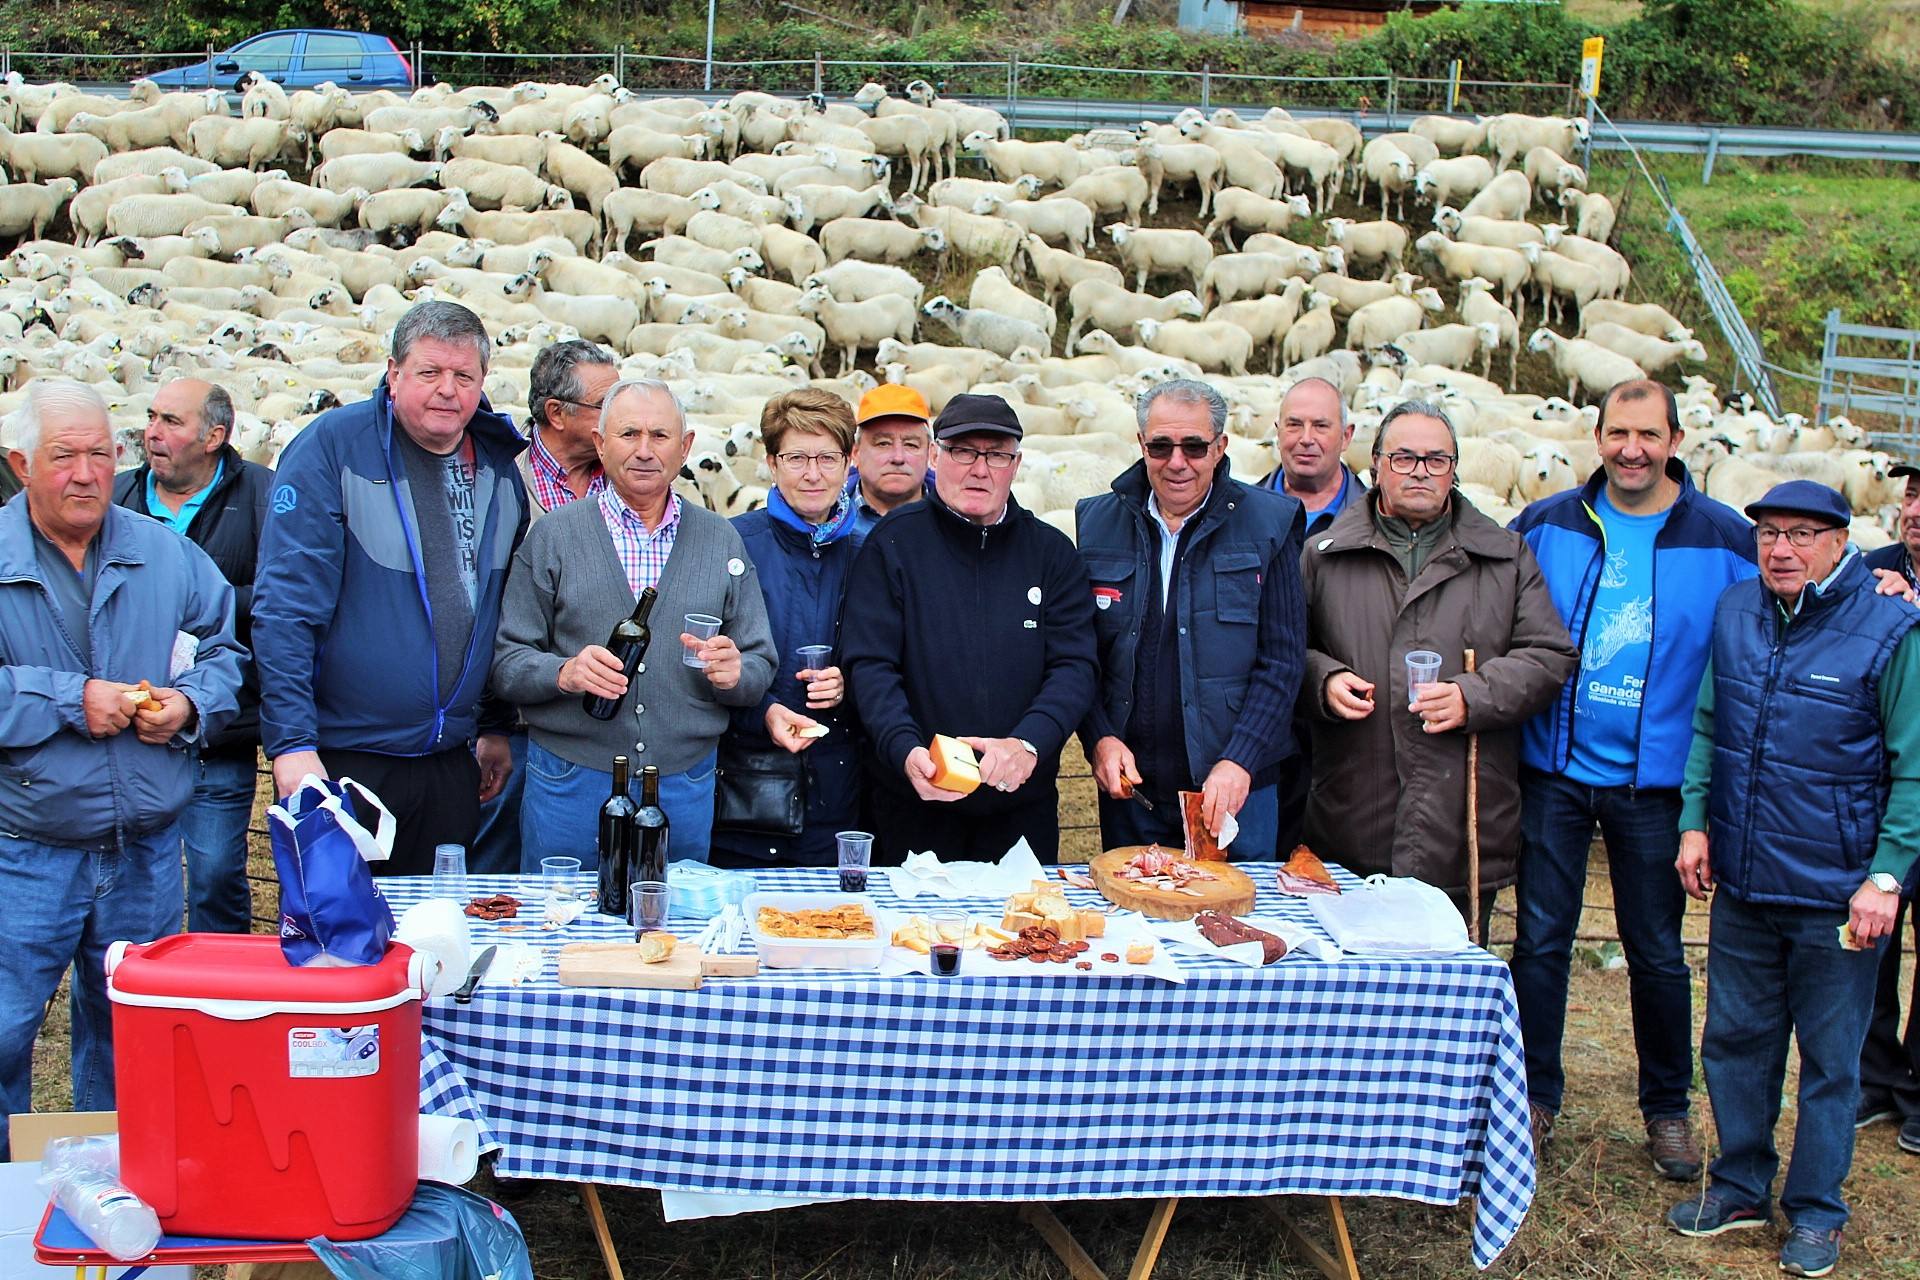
[[1892, 25]]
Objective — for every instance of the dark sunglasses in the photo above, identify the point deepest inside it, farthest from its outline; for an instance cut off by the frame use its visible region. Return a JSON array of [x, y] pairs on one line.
[[1194, 449]]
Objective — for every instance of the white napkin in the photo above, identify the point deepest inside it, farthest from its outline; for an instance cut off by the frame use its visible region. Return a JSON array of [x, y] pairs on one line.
[[563, 911], [925, 873], [514, 963], [1299, 941]]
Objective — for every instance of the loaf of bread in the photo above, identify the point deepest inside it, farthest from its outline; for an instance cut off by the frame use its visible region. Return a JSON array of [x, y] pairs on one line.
[[955, 767], [656, 946]]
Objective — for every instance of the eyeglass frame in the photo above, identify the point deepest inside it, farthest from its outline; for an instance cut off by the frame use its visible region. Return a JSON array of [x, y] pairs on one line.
[[823, 461], [581, 404], [1192, 448], [955, 451], [1448, 462], [1761, 534]]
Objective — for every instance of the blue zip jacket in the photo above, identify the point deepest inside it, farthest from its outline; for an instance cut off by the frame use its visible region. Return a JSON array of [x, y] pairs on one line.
[[1704, 548], [342, 627], [58, 784]]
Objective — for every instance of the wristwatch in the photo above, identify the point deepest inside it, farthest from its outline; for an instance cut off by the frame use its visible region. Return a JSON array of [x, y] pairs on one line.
[[1884, 882], [1035, 753]]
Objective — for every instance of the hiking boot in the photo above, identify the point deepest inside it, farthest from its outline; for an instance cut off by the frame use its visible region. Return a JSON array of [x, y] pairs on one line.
[[1712, 1212], [1809, 1251], [1910, 1135], [1540, 1124], [1873, 1111], [1675, 1154]]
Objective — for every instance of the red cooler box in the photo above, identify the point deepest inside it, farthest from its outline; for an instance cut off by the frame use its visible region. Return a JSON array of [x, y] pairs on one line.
[[260, 1101]]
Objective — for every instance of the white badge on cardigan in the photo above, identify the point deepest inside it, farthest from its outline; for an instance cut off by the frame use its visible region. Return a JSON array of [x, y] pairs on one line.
[[736, 567]]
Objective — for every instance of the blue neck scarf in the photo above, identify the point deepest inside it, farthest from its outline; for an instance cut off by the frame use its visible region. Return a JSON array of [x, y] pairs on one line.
[[839, 523]]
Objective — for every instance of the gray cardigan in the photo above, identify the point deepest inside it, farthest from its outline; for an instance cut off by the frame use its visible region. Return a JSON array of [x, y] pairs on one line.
[[567, 590]]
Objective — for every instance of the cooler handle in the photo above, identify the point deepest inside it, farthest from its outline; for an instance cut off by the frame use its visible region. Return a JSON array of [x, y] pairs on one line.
[[116, 952]]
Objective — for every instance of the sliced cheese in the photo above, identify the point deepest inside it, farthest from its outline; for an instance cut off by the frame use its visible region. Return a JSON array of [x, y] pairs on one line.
[[955, 767]]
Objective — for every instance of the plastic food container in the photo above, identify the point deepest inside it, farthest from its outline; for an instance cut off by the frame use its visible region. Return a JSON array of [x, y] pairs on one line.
[[817, 953], [260, 1101]]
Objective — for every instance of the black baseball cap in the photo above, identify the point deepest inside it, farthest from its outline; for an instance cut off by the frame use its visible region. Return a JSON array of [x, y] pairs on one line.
[[1899, 469], [965, 414], [1807, 498]]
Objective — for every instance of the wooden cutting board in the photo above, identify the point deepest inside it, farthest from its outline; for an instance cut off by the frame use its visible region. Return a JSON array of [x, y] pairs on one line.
[[618, 964], [1232, 891]]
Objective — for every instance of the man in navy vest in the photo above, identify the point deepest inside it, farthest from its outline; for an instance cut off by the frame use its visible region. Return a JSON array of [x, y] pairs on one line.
[[1202, 630], [1635, 559], [1890, 1062], [1802, 805]]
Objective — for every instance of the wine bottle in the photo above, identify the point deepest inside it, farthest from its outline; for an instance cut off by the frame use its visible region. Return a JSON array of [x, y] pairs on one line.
[[650, 825], [629, 641], [616, 845]]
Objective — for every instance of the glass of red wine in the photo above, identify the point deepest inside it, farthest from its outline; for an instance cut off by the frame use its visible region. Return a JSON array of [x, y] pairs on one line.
[[856, 855], [949, 928]]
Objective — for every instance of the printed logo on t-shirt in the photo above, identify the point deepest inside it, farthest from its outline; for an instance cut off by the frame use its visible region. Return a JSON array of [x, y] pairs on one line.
[[1612, 631]]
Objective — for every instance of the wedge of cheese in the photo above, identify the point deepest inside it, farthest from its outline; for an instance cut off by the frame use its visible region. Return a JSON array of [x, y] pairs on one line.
[[955, 767]]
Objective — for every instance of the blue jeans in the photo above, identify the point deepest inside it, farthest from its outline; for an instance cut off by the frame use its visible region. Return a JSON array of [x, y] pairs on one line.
[[560, 812], [213, 828], [64, 907], [1642, 831], [1774, 972], [496, 850]]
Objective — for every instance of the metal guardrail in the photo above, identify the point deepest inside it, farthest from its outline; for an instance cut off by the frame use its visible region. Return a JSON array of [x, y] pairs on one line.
[[1887, 382]]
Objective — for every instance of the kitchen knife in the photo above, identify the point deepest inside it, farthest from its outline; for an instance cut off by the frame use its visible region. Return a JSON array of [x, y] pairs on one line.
[[465, 994]]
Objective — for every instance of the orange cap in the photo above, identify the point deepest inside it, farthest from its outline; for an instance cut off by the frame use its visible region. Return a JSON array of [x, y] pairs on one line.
[[890, 400]]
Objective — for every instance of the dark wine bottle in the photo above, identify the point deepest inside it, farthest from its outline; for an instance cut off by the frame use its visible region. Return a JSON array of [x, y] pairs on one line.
[[650, 824], [629, 641], [617, 842]]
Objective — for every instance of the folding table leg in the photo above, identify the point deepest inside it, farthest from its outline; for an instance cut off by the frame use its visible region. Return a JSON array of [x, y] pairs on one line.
[[1157, 1224], [1082, 1267], [590, 1195], [1342, 1267]]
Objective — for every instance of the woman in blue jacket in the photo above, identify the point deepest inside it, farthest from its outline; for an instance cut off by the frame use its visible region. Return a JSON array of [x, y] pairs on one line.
[[802, 544]]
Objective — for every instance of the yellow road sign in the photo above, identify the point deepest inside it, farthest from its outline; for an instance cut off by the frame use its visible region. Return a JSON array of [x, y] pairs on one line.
[[1590, 53]]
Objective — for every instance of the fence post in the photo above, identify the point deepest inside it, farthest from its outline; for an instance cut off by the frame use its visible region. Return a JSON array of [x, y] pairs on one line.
[[6, 62], [819, 74], [620, 63], [1713, 150], [1393, 100], [209, 64], [1828, 350], [1206, 86], [1453, 87], [1013, 92], [1586, 150], [419, 64]]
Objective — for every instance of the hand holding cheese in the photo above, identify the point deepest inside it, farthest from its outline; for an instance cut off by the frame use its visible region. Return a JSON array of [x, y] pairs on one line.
[[955, 767], [920, 772]]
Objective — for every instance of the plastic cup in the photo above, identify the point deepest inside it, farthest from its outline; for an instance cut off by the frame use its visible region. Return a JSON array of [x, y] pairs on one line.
[[1423, 667], [856, 856], [812, 657], [649, 905], [701, 626], [450, 872], [949, 942], [556, 877]]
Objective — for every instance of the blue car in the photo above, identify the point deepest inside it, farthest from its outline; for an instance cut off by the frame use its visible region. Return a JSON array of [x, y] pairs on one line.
[[300, 59]]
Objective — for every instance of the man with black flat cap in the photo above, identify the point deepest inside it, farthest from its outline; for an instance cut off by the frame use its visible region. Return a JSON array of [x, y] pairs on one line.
[[968, 616], [1802, 806]]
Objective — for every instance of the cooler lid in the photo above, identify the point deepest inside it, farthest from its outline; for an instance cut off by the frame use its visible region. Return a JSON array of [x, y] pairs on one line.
[[190, 969]]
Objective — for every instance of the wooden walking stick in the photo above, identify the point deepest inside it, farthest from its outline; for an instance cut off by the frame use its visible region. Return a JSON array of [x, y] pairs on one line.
[[1473, 831]]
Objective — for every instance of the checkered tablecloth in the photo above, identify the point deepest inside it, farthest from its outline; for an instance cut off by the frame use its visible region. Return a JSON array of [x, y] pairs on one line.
[[1358, 1078]]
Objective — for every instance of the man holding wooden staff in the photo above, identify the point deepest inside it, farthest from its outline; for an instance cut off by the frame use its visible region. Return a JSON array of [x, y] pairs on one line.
[[1415, 567]]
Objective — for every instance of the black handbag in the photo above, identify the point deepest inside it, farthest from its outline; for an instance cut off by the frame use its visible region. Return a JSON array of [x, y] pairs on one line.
[[760, 789]]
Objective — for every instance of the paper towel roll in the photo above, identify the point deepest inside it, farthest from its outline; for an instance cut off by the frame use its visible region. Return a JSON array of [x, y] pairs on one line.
[[439, 927], [449, 1149]]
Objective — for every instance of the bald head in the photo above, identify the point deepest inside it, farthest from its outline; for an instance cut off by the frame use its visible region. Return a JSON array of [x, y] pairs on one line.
[[1312, 432], [188, 424]]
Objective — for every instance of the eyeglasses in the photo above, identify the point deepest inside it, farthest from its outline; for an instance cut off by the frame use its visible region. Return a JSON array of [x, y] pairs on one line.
[[1192, 448], [581, 404], [1436, 464], [1801, 536], [966, 455], [799, 462]]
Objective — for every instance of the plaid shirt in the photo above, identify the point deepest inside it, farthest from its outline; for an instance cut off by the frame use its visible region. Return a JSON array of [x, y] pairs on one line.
[[550, 478], [642, 555]]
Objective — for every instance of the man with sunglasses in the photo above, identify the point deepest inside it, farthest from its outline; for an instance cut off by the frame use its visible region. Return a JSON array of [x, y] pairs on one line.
[[1202, 631], [1802, 806], [968, 615], [1415, 566]]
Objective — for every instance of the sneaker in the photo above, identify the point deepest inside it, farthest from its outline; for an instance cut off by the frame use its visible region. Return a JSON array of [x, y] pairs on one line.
[[1810, 1252], [1713, 1212], [1873, 1111], [1540, 1124], [1676, 1156], [1910, 1135]]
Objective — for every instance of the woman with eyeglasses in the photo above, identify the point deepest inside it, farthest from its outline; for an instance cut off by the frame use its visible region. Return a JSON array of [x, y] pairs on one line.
[[802, 544]]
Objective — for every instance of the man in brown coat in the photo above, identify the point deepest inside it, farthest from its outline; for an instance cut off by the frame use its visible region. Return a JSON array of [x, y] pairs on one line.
[[1416, 566]]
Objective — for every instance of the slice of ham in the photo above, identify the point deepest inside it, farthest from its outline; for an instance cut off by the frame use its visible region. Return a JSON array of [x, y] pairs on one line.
[[1300, 887], [1304, 873], [1200, 844]]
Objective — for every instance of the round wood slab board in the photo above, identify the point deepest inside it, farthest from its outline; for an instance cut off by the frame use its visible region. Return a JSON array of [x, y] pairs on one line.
[[1232, 892]]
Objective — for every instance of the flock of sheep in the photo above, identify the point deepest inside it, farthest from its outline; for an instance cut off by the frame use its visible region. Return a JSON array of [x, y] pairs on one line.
[[739, 247]]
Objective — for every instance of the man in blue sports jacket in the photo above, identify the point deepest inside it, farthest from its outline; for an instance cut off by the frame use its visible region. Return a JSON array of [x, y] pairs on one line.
[[1635, 559], [388, 538]]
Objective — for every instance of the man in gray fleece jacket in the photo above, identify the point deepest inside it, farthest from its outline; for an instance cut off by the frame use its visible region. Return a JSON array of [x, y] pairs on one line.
[[578, 572]]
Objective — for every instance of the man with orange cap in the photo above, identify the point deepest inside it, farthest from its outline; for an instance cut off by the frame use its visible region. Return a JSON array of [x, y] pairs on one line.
[[890, 454]]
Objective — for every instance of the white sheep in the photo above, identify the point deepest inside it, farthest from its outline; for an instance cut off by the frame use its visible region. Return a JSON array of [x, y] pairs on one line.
[[1545, 470], [248, 144], [1001, 334], [1504, 233], [1511, 136], [261, 97], [587, 178], [521, 152], [1058, 271], [1655, 355], [1056, 219], [1585, 365], [1593, 213], [1119, 189], [162, 215], [512, 227], [1506, 268], [375, 172], [1557, 276], [1452, 181], [993, 291], [974, 236], [811, 204], [1382, 242], [1211, 344], [414, 209], [1451, 346], [1644, 317], [1508, 196], [1552, 174], [1477, 305], [1239, 275], [497, 186], [1450, 136], [718, 230], [877, 240], [32, 156], [906, 137], [26, 208], [633, 209], [88, 210], [1615, 273], [1101, 304], [1236, 207], [361, 142], [1385, 165], [1379, 323], [1312, 334], [275, 197], [1180, 162], [855, 326], [1055, 163], [1154, 251]]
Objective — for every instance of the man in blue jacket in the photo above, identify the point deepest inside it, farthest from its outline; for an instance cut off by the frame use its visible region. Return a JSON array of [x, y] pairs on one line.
[[1635, 559], [1801, 805], [1202, 630], [93, 600], [388, 539]]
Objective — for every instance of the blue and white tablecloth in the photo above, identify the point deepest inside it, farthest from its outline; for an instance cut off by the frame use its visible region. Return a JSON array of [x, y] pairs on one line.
[[1362, 1077]]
